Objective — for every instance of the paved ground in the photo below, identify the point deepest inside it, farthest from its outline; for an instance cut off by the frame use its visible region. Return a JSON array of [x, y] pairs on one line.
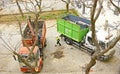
[[7, 7], [72, 61]]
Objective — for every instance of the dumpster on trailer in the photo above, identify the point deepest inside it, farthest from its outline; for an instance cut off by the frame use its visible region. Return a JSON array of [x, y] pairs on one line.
[[75, 31], [73, 27], [28, 39]]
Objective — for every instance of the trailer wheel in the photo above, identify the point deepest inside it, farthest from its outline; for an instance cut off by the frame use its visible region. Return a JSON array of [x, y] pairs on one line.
[[68, 41], [80, 44]]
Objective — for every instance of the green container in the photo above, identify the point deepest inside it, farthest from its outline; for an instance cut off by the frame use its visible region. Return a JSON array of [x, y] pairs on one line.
[[71, 30]]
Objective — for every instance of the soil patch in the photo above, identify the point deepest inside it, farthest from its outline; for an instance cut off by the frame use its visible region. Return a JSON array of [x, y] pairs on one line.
[[58, 54]]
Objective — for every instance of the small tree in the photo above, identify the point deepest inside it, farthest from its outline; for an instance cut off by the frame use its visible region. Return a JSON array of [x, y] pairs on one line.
[[31, 54], [94, 15]]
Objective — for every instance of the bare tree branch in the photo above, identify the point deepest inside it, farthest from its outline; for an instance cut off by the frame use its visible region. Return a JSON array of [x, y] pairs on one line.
[[110, 47], [21, 32], [12, 50], [98, 53], [28, 8], [19, 8], [64, 1], [93, 20], [118, 8], [7, 44], [39, 4], [24, 61], [99, 10], [93, 11]]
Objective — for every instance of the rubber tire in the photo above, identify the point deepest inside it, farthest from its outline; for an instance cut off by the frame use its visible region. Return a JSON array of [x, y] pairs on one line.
[[68, 41]]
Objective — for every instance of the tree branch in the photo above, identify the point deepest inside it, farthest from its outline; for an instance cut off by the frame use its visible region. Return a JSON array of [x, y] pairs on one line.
[[118, 8], [19, 8], [93, 10], [109, 47], [64, 1], [100, 8], [93, 20]]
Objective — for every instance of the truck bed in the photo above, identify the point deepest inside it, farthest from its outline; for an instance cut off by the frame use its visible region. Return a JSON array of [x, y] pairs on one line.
[[40, 26], [73, 27], [29, 33], [82, 22]]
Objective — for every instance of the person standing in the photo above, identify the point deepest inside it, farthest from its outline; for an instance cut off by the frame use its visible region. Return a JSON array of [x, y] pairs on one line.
[[58, 40]]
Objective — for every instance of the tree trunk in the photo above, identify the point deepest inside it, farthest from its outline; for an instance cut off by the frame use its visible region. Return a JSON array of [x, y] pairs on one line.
[[93, 20], [91, 63], [40, 1], [67, 4], [83, 11], [67, 7]]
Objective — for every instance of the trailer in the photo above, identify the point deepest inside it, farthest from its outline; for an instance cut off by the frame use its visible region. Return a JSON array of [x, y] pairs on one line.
[[28, 39], [29, 33], [76, 31]]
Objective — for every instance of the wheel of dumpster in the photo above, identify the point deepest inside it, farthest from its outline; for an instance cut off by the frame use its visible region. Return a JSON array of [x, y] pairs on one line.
[[68, 41], [80, 44]]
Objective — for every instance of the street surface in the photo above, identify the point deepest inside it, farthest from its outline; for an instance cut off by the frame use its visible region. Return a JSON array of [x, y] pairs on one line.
[[72, 60], [8, 7]]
